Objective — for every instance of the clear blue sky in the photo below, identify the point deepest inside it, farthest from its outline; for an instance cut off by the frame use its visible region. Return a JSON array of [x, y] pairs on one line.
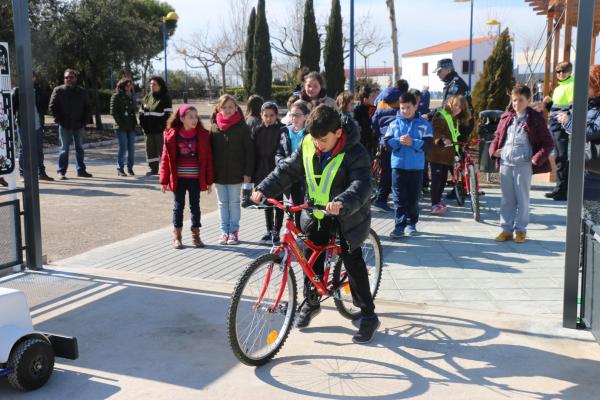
[[421, 23]]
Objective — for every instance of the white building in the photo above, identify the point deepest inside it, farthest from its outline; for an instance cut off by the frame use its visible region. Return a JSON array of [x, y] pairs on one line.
[[418, 65]]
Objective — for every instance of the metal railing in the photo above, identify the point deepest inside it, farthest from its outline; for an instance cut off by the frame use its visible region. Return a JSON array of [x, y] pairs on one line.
[[590, 277], [11, 243]]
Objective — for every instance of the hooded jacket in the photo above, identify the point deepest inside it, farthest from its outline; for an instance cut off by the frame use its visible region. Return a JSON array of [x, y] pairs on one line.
[[351, 184], [537, 132], [168, 161], [409, 157], [122, 109]]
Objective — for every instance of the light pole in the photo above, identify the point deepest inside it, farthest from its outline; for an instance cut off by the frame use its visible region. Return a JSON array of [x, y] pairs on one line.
[[170, 17], [185, 76], [351, 75], [492, 22], [470, 39]]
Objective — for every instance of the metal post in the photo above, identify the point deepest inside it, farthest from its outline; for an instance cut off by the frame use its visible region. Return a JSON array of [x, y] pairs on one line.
[[351, 76], [164, 26], [576, 162], [471, 46], [31, 196], [185, 81]]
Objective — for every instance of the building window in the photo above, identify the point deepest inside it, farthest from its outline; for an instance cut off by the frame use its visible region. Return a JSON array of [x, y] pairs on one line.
[[465, 66], [425, 69]]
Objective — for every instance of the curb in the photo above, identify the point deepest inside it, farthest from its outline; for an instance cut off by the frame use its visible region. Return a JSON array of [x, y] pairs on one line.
[[92, 145]]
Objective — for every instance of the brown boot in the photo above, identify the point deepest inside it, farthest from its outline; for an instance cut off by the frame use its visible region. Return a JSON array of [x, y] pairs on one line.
[[196, 237], [177, 239]]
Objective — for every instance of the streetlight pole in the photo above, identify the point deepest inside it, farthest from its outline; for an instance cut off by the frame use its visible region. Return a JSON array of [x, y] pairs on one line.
[[470, 40], [185, 80], [351, 75], [170, 17]]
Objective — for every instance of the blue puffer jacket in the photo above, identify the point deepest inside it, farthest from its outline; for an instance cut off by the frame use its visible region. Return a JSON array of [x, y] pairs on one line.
[[409, 157], [381, 120]]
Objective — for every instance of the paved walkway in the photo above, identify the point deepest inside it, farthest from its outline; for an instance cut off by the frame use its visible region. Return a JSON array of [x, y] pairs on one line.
[[453, 261]]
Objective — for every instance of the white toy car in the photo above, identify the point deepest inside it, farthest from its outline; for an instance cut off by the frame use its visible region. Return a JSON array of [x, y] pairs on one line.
[[27, 356]]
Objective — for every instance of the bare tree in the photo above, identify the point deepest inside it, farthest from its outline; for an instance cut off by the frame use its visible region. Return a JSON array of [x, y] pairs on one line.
[[367, 39], [239, 11], [288, 41], [392, 17]]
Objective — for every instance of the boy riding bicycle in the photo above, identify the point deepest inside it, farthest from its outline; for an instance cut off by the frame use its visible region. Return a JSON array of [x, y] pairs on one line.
[[336, 168]]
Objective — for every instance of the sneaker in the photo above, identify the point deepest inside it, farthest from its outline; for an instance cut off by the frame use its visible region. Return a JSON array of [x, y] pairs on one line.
[[381, 206], [411, 230], [443, 208], [266, 239], [306, 314], [234, 238], [62, 177], [504, 236], [520, 237], [550, 195], [223, 238], [275, 238], [560, 197], [120, 172], [397, 233], [436, 209], [151, 173], [367, 329], [44, 177], [130, 172], [84, 174]]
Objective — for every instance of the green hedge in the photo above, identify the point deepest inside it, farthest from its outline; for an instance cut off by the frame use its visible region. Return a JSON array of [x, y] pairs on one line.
[[279, 94]]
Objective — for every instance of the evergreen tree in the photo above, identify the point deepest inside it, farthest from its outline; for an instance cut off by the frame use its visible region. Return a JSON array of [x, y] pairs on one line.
[[310, 52], [333, 54], [249, 53], [492, 90], [262, 75]]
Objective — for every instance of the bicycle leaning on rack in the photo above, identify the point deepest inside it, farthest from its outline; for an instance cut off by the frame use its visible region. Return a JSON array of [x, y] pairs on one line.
[[263, 305], [464, 178]]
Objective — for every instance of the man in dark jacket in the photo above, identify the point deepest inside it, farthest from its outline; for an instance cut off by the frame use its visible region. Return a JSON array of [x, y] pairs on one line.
[[453, 83], [70, 107], [38, 135], [346, 197]]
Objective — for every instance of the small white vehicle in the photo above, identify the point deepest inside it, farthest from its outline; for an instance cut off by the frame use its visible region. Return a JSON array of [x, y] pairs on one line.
[[27, 356]]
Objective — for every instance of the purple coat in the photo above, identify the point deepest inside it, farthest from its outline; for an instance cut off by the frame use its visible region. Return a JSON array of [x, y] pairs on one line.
[[537, 132]]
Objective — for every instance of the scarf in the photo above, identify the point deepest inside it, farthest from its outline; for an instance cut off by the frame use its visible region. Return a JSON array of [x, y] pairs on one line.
[[224, 123]]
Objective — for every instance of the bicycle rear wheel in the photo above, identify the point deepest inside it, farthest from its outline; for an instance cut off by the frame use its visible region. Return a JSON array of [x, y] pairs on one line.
[[257, 331], [372, 254], [474, 193], [459, 188]]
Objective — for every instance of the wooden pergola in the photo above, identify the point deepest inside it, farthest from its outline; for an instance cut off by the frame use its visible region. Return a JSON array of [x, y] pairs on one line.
[[561, 14]]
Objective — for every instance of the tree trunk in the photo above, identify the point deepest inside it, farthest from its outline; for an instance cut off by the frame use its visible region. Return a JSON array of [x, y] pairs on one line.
[[223, 76], [208, 81], [392, 17], [365, 58], [127, 71], [98, 109]]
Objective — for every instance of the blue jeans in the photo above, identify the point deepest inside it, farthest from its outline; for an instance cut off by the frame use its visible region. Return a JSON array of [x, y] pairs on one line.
[[192, 187], [39, 137], [229, 207], [406, 186], [126, 145], [66, 137]]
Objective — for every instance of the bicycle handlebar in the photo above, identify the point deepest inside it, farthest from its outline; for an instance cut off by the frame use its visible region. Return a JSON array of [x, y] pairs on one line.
[[470, 143], [291, 208]]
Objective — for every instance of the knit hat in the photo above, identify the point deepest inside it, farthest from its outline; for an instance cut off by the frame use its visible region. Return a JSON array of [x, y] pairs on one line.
[[184, 108]]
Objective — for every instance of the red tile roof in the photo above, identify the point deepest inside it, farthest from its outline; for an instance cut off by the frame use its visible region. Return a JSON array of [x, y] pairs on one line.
[[446, 47], [375, 71]]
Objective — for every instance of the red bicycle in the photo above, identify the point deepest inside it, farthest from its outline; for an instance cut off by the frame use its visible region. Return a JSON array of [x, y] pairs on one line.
[[263, 303], [375, 174], [465, 179]]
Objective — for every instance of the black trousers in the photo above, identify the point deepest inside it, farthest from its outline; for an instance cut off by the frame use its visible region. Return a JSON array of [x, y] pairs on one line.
[[296, 194], [439, 177], [426, 179], [354, 264], [561, 143], [274, 217], [385, 181], [191, 186]]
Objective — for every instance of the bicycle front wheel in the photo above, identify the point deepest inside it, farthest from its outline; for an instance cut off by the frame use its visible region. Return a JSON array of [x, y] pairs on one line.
[[256, 328], [372, 254], [474, 193]]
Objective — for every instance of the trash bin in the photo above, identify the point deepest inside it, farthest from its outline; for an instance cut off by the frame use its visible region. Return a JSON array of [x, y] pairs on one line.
[[488, 122]]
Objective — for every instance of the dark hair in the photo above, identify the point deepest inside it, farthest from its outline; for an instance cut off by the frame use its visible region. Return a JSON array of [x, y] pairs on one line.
[[302, 105], [291, 100], [302, 72], [320, 79], [401, 85], [415, 92], [519, 90], [269, 105], [253, 106], [175, 121], [322, 120], [365, 92], [565, 66], [122, 83], [343, 100], [161, 82], [408, 97]]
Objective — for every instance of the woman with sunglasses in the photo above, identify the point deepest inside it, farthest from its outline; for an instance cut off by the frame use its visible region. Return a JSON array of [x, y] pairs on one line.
[[122, 108]]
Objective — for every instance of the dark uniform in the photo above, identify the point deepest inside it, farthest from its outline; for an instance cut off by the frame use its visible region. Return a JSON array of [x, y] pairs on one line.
[[455, 85]]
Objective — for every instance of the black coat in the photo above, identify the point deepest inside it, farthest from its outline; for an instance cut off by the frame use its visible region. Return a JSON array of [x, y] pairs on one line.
[[367, 134], [266, 141], [351, 185], [455, 85], [233, 153], [70, 106]]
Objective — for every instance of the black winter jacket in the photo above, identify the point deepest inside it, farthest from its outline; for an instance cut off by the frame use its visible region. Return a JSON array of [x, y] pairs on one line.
[[233, 153], [155, 111], [266, 140], [70, 106], [351, 185], [122, 109]]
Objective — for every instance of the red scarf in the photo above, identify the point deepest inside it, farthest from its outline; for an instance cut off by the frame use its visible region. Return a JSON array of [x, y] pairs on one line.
[[225, 123]]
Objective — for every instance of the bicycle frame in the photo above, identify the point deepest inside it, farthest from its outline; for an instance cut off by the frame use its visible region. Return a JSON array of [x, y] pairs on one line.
[[464, 162], [289, 244]]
